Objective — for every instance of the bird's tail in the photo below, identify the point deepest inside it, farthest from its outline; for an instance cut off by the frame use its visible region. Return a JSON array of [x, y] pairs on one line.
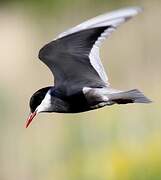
[[131, 96]]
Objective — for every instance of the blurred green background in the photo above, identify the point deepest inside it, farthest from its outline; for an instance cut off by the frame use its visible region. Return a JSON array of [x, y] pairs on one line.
[[112, 143]]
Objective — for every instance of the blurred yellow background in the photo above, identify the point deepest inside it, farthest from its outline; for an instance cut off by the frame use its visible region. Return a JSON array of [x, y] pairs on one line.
[[113, 143]]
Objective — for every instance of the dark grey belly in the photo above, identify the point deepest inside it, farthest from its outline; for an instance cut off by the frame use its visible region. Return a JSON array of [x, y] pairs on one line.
[[77, 103], [69, 104]]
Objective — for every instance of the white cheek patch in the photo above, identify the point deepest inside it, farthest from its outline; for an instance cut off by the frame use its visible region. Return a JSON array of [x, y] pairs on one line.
[[45, 104]]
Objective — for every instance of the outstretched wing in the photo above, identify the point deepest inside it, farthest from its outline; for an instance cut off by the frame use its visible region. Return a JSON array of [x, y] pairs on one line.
[[112, 19], [73, 57]]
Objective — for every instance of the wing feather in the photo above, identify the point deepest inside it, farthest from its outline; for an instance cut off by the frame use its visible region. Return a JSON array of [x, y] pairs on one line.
[[113, 20], [74, 58]]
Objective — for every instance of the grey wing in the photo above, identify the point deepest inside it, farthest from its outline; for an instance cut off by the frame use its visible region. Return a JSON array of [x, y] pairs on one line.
[[112, 19], [74, 58], [68, 59]]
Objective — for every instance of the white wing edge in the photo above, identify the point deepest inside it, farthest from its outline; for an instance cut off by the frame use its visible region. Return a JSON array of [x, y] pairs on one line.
[[94, 54], [95, 58]]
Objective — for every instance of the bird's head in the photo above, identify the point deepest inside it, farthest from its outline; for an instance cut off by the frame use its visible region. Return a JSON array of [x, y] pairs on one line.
[[40, 101]]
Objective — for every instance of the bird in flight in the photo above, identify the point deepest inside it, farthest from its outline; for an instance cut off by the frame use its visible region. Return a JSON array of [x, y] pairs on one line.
[[80, 81]]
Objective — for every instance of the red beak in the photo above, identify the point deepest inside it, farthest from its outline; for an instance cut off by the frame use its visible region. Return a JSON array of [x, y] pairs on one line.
[[30, 118]]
